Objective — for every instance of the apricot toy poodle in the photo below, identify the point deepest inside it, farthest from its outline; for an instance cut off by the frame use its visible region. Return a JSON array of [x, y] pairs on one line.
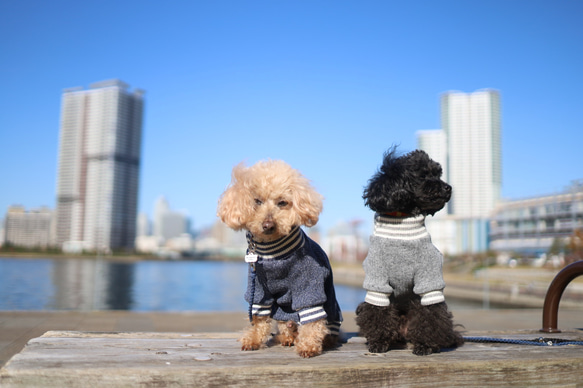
[[289, 276], [403, 269]]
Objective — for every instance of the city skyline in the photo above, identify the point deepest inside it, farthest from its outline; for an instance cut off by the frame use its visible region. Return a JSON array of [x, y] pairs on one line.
[[326, 86]]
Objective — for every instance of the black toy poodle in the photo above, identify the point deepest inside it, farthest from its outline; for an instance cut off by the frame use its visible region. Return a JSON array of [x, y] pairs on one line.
[[403, 269]]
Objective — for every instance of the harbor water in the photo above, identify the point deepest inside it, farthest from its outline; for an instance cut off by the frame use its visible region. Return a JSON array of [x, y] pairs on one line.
[[165, 286]]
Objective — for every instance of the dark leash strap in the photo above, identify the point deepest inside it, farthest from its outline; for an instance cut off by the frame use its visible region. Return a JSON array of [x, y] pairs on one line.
[[251, 258], [252, 295], [535, 342]]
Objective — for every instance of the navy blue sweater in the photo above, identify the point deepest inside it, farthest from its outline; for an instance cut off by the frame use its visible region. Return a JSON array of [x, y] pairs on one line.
[[293, 281]]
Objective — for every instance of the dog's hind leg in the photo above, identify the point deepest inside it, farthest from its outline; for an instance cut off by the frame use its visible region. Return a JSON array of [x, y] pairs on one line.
[[287, 333], [431, 328], [256, 334]]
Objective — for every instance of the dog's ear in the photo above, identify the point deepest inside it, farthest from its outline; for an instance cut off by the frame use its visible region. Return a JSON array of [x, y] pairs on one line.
[[374, 194], [307, 202], [378, 192], [389, 189], [382, 197], [234, 204]]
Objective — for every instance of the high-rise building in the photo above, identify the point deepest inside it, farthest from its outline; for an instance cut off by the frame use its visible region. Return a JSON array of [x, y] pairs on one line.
[[469, 149], [99, 162], [471, 122]]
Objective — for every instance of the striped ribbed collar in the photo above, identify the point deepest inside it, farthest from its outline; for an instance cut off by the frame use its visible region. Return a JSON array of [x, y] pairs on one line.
[[277, 249], [400, 228]]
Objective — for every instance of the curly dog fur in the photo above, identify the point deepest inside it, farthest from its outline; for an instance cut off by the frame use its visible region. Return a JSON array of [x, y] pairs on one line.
[[270, 200], [406, 188]]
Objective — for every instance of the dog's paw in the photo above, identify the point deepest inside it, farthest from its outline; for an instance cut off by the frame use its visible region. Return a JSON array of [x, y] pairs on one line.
[[425, 350], [376, 347], [308, 354], [250, 346], [285, 340], [309, 351]]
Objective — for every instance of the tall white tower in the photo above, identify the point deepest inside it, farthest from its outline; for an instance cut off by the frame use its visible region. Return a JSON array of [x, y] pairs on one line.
[[468, 147], [99, 163], [471, 123]]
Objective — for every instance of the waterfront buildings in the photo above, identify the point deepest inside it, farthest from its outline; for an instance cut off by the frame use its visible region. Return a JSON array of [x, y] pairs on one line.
[[168, 223], [99, 163], [532, 225], [170, 234], [469, 149], [220, 240], [29, 229], [143, 227], [344, 243]]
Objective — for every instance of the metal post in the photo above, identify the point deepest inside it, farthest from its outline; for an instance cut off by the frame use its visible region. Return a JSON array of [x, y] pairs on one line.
[[554, 293]]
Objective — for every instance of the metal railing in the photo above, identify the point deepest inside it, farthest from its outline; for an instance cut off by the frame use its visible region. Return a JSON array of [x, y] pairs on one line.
[[554, 293]]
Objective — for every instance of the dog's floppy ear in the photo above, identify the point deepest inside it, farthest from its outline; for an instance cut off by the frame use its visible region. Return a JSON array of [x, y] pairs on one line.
[[385, 195], [389, 188], [307, 202], [379, 191], [375, 194], [234, 209]]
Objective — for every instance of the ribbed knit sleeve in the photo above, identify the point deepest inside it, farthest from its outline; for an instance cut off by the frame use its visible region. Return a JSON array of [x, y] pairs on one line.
[[376, 279]]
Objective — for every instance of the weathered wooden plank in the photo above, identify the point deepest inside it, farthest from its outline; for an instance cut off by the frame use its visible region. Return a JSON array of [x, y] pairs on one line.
[[167, 359]]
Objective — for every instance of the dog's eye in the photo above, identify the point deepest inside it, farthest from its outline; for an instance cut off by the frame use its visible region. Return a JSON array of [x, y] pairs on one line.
[[258, 202], [282, 203]]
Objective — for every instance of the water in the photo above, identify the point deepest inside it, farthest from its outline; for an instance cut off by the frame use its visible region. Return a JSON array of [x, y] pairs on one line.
[[93, 284]]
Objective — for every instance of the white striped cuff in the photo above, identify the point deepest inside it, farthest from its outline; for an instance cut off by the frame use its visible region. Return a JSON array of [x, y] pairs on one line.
[[334, 327], [432, 297], [312, 314], [377, 298], [260, 310]]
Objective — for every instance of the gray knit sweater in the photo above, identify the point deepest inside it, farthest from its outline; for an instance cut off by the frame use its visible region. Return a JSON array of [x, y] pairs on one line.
[[293, 281], [401, 259]]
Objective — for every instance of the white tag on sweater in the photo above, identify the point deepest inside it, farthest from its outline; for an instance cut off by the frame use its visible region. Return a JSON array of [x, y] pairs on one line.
[[250, 258]]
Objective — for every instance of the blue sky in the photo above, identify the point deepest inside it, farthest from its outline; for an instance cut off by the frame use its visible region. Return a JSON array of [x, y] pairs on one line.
[[325, 85]]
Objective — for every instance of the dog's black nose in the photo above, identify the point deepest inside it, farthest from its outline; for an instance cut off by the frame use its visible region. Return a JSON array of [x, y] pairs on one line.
[[268, 226]]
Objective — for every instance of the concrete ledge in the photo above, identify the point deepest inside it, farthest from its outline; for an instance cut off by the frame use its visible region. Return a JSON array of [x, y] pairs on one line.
[[81, 359]]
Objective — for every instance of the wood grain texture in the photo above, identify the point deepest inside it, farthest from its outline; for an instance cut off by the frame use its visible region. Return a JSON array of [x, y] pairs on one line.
[[81, 359]]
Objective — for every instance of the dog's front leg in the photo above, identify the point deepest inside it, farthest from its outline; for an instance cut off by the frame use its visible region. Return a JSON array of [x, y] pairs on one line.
[[379, 325], [256, 334], [310, 338]]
